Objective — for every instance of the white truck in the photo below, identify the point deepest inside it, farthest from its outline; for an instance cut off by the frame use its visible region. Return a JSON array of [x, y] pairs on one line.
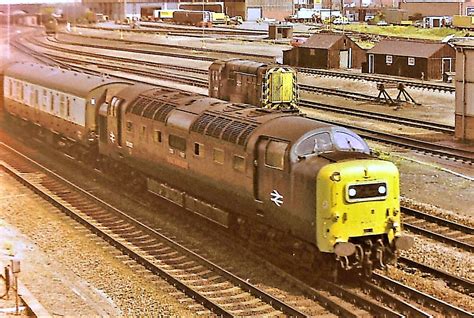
[[313, 15]]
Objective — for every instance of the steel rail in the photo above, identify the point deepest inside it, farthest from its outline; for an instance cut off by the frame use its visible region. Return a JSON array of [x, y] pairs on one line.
[[464, 283], [380, 79], [427, 300], [439, 237], [435, 219]]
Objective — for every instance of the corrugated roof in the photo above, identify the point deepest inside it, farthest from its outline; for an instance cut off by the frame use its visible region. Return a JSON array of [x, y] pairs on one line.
[[322, 41], [406, 48], [74, 83]]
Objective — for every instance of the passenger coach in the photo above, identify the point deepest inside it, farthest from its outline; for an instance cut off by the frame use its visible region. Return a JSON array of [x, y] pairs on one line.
[[61, 103]]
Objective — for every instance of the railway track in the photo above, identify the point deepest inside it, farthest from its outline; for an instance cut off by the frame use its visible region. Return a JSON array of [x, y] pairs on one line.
[[380, 79], [167, 47], [455, 282], [413, 296], [378, 116], [440, 229], [218, 290]]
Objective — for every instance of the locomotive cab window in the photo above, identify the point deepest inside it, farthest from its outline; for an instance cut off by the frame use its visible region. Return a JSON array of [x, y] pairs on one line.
[[275, 154], [350, 142]]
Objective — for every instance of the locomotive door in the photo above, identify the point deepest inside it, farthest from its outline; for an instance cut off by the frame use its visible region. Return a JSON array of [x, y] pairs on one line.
[[270, 178]]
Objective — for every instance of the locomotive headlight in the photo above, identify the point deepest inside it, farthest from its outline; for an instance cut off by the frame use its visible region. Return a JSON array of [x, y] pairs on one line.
[[382, 189], [352, 192]]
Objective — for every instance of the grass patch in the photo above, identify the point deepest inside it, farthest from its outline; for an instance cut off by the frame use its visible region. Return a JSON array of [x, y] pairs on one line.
[[402, 31]]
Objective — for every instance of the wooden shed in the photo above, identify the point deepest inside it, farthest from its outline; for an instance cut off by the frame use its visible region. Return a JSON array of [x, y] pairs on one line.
[[326, 51], [415, 59]]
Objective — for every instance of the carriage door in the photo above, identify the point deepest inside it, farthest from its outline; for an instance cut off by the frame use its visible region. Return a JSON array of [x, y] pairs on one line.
[[271, 183]]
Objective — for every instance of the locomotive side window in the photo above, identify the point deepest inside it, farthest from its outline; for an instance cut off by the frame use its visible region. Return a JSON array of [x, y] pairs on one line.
[[143, 133], [198, 149], [157, 136], [275, 154], [129, 126], [218, 156], [177, 143], [238, 163]]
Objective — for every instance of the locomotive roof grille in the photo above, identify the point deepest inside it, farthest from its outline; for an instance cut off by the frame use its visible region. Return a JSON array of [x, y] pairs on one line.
[[139, 105], [245, 134], [151, 108], [227, 129], [163, 112], [216, 126], [200, 124], [232, 132]]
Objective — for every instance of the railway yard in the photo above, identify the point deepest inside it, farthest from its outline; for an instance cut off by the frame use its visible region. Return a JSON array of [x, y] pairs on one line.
[[94, 239]]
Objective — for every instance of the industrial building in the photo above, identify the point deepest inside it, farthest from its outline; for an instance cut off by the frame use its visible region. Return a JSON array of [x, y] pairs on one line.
[[326, 51], [438, 7], [249, 9], [415, 59]]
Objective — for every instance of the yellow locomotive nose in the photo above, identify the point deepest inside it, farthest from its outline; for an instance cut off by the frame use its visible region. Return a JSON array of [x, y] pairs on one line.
[[356, 200]]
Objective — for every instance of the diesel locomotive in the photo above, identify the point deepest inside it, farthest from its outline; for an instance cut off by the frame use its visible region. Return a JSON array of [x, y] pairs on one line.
[[308, 188], [250, 82]]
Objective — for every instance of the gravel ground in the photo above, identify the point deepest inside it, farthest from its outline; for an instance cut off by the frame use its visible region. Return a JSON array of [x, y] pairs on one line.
[[74, 252]]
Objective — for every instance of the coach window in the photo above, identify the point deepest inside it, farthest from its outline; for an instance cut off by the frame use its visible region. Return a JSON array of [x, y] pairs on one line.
[[157, 136], [68, 107], [198, 149], [36, 98], [21, 90], [129, 126], [10, 88], [51, 102], [238, 163], [275, 154], [218, 156], [62, 105], [45, 99]]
